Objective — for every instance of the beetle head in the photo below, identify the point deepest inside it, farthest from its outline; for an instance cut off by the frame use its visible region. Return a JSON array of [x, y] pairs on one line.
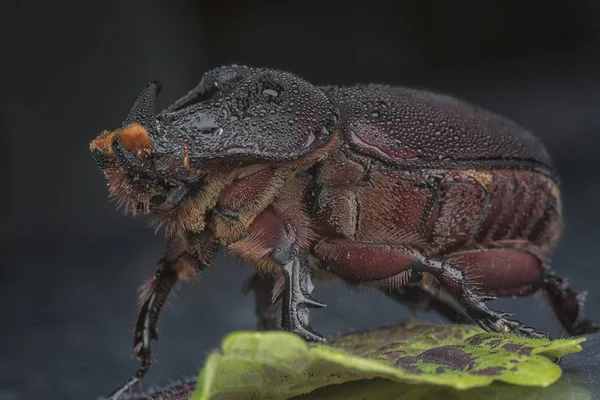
[[137, 178], [236, 117]]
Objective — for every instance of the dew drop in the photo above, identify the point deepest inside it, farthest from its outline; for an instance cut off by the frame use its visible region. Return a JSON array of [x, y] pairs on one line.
[[271, 92]]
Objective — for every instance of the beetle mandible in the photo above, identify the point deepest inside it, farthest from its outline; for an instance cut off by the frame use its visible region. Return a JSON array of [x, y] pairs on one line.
[[380, 186]]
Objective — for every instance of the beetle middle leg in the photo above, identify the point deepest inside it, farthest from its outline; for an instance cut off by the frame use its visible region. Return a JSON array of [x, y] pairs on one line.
[[455, 280], [363, 262], [274, 245], [293, 299], [297, 300]]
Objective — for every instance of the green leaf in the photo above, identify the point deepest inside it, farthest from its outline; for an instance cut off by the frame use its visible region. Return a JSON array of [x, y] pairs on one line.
[[384, 389], [280, 365]]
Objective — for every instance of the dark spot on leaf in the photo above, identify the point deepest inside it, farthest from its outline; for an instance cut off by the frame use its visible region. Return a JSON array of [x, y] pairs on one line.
[[476, 340], [494, 343], [407, 360], [408, 363], [489, 371], [471, 365], [393, 355], [451, 356], [440, 370], [514, 369], [525, 351], [514, 361], [512, 347]]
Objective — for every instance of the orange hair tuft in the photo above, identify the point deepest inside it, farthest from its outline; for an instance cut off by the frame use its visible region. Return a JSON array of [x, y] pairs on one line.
[[134, 138]]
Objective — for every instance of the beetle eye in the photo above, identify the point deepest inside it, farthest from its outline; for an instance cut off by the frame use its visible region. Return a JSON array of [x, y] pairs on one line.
[[271, 89], [215, 131]]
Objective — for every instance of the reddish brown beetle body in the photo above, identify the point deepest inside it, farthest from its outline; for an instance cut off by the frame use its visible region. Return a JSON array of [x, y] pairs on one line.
[[453, 213], [379, 186]]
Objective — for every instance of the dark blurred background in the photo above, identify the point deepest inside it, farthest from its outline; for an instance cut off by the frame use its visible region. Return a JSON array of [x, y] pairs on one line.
[[71, 264]]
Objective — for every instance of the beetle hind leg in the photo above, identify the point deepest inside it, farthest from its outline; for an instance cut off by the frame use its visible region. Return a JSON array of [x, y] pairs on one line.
[[568, 306]]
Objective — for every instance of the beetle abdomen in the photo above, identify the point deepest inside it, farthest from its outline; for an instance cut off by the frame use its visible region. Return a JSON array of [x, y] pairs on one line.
[[473, 208], [407, 127], [440, 211], [523, 205]]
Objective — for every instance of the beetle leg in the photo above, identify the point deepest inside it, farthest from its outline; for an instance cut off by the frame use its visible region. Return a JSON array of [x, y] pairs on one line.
[[277, 241], [296, 298], [501, 271], [362, 262], [160, 287], [179, 263], [267, 299], [568, 306], [454, 280], [417, 298], [243, 199]]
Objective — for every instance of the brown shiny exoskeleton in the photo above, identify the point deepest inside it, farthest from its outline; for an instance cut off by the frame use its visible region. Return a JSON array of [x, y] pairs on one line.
[[398, 189]]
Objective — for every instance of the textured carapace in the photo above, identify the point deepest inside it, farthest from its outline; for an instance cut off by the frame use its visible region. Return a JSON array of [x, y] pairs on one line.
[[407, 127]]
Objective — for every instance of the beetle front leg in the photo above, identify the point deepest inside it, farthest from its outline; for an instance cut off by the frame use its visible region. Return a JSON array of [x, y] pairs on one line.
[[158, 289], [184, 258]]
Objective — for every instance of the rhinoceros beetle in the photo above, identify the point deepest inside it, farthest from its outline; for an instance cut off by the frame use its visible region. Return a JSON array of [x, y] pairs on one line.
[[393, 188]]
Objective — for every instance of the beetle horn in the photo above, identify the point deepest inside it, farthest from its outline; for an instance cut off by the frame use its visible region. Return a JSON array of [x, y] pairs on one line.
[[143, 111]]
